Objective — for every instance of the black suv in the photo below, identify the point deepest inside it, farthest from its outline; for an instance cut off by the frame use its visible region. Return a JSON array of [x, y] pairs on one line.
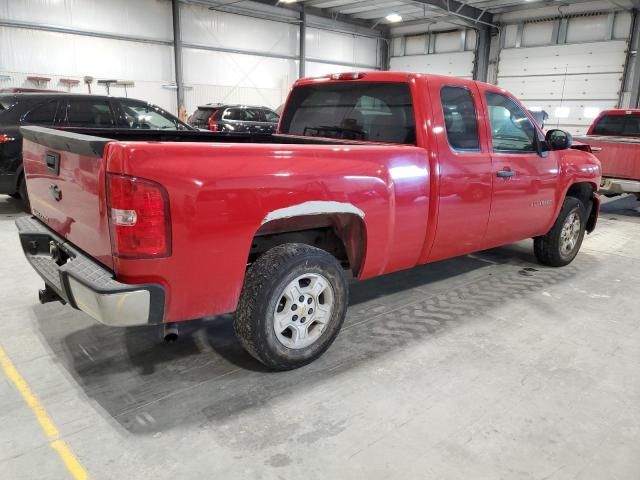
[[235, 119], [62, 110]]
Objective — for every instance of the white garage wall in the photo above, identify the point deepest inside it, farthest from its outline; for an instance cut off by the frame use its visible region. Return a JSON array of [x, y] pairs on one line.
[[572, 80], [142, 18], [215, 76], [443, 53], [26, 52], [341, 47], [224, 76], [227, 57]]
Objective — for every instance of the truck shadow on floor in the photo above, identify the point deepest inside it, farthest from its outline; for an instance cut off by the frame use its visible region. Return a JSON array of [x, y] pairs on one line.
[[206, 377], [624, 206], [10, 207]]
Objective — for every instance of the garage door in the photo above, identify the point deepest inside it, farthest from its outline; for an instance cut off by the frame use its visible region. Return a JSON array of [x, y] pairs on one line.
[[572, 82], [447, 53]]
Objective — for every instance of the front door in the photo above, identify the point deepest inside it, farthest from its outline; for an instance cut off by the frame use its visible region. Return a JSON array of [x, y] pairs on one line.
[[525, 173]]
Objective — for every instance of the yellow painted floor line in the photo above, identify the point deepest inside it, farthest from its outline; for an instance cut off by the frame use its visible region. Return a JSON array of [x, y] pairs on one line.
[[74, 467]]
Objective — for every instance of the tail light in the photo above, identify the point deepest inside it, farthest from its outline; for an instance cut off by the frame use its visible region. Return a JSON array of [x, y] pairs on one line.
[[212, 122], [4, 138], [138, 217]]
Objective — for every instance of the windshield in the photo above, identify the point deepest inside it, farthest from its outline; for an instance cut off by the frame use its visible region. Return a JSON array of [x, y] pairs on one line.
[[379, 112], [618, 125]]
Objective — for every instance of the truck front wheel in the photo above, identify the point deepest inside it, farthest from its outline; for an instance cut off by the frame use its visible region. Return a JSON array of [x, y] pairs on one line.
[[292, 306], [561, 245]]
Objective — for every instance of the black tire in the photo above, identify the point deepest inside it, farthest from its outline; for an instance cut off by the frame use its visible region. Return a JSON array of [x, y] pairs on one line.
[[548, 248], [264, 286], [24, 196]]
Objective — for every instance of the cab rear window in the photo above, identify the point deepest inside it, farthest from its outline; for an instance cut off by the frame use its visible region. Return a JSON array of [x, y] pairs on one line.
[[618, 125], [368, 111]]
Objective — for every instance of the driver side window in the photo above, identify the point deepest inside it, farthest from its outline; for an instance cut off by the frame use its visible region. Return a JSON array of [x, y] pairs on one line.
[[511, 129]]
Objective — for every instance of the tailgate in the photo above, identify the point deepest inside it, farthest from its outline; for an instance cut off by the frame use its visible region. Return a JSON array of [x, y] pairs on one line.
[[66, 184], [619, 156]]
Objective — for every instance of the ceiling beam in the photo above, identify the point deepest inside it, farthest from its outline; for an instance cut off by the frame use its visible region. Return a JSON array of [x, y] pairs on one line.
[[319, 12], [472, 16]]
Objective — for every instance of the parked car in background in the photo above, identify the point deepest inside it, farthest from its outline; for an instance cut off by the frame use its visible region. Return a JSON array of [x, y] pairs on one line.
[[371, 173], [28, 90], [614, 137], [63, 110], [235, 119]]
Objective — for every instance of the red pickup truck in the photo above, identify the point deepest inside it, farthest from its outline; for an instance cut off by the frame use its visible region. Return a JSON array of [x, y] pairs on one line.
[[614, 137], [370, 173]]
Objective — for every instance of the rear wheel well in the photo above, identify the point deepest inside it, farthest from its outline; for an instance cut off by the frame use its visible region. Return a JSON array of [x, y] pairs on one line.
[[341, 235]]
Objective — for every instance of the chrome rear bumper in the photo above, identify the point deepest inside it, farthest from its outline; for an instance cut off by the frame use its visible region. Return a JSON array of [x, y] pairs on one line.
[[84, 284]]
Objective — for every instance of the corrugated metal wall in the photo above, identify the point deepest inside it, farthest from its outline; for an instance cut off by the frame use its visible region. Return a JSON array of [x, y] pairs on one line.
[[213, 67]]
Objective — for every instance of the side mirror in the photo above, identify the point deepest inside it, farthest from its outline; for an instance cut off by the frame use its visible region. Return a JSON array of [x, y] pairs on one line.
[[558, 139]]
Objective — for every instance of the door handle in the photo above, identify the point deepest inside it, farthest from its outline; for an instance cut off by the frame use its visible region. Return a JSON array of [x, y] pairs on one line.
[[505, 173]]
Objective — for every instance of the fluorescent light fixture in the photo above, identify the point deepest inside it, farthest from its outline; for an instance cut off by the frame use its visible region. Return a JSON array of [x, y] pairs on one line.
[[287, 1], [562, 112], [535, 109], [393, 18], [591, 112]]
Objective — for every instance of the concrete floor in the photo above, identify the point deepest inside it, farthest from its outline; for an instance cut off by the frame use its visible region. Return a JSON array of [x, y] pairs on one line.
[[482, 367]]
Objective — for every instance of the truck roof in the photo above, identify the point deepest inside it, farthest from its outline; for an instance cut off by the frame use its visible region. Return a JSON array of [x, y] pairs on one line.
[[620, 111], [375, 76]]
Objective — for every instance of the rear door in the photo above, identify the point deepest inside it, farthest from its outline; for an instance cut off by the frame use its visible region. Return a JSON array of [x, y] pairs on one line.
[[465, 168], [254, 120], [88, 112], [232, 121], [271, 119], [525, 179]]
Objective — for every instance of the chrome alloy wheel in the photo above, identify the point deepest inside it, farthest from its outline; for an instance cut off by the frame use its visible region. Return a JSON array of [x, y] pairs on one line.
[[303, 311], [569, 234]]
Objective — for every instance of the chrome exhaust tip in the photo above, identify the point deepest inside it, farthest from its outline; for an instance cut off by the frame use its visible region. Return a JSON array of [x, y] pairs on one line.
[[170, 332]]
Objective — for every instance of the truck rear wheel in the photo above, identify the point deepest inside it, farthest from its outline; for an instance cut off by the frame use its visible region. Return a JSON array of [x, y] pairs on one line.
[[292, 306], [561, 245]]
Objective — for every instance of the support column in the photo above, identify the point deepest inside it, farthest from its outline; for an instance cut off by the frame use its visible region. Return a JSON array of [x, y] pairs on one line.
[[630, 91], [483, 47], [303, 43], [177, 51], [496, 42]]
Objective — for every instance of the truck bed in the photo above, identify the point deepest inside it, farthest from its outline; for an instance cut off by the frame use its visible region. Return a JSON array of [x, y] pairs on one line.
[[220, 190]]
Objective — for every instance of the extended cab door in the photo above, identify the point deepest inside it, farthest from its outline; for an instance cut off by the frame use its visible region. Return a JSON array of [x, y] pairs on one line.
[[525, 173], [465, 175]]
